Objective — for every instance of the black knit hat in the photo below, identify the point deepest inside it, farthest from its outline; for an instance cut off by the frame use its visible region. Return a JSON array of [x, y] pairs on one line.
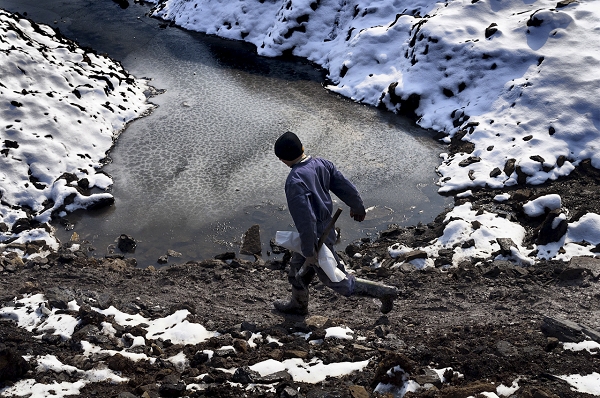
[[288, 146]]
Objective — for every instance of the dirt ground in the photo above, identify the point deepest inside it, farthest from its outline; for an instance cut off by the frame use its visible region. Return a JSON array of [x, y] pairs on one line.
[[492, 322]]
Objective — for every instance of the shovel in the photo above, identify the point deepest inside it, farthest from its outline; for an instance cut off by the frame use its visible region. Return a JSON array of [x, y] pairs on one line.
[[306, 266]]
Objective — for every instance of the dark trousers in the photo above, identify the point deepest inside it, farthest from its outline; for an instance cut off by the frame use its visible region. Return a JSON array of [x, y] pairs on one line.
[[344, 287]]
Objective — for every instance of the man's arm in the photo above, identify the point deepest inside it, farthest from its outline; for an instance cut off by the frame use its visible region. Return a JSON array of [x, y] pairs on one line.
[[347, 192], [304, 218]]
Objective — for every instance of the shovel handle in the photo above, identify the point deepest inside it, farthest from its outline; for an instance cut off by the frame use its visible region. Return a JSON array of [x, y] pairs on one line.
[[328, 228]]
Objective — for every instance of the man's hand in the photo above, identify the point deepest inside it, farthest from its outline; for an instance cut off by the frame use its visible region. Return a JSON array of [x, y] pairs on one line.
[[312, 260], [357, 216]]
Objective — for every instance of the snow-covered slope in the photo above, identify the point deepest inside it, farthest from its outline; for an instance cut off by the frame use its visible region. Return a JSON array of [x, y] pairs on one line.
[[61, 107], [520, 78]]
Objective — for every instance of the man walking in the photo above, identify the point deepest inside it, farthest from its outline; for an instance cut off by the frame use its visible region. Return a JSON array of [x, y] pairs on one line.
[[307, 189]]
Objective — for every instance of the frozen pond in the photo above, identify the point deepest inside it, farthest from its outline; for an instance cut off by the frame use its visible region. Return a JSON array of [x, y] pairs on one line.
[[199, 171]]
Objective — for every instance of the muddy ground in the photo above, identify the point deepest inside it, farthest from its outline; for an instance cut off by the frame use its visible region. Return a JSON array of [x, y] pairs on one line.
[[492, 322]]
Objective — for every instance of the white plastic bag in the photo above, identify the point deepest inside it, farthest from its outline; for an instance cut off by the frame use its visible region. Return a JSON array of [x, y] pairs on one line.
[[291, 241]]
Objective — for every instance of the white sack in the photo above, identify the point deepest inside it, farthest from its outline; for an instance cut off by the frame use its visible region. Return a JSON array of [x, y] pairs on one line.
[[291, 241]]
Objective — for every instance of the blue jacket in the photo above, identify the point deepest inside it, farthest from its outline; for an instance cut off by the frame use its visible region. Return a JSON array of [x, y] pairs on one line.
[[309, 201]]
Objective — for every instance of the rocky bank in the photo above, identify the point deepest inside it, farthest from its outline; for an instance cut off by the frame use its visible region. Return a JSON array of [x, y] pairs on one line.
[[492, 322]]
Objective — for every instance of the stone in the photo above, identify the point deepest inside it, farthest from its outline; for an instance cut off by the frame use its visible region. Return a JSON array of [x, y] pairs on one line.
[[490, 30], [225, 256], [173, 253], [288, 392], [358, 392], [495, 173], [118, 362], [276, 249], [12, 365], [506, 349], [126, 394], [562, 329], [316, 322], [428, 376], [251, 241], [413, 255], [470, 160], [59, 297], [509, 166], [505, 245], [288, 354], [172, 390], [126, 244], [277, 377], [245, 375], [590, 264], [163, 259], [550, 230], [551, 343]]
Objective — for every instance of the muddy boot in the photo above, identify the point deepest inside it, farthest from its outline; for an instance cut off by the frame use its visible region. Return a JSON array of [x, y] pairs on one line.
[[387, 294], [297, 305]]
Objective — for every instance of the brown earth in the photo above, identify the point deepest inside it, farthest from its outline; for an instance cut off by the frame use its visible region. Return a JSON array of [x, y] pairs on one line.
[[492, 322]]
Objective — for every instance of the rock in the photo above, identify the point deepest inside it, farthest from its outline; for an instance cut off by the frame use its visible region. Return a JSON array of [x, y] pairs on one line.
[[126, 244], [59, 297], [316, 322], [564, 3], [428, 376], [288, 354], [12, 365], [163, 259], [118, 362], [382, 331], [288, 392], [126, 394], [200, 357], [509, 166], [506, 349], [470, 160], [251, 241], [277, 377], [358, 392], [172, 390], [251, 327], [275, 248], [22, 224], [552, 229], [115, 264], [245, 375], [412, 255], [505, 245], [225, 352], [589, 264], [562, 329], [552, 343], [490, 30], [225, 256], [173, 253], [496, 172], [571, 273], [241, 345]]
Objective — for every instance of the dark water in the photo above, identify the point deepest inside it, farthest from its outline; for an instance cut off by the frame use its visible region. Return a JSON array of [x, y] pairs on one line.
[[199, 171]]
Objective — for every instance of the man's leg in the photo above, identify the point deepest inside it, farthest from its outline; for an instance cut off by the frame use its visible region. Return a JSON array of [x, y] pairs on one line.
[[360, 287], [298, 303]]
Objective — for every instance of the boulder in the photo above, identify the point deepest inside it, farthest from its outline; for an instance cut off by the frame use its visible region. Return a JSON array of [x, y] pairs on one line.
[[251, 241], [584, 264], [552, 229], [126, 244], [12, 365], [505, 245]]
